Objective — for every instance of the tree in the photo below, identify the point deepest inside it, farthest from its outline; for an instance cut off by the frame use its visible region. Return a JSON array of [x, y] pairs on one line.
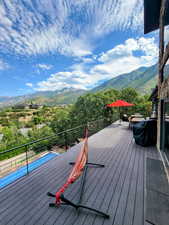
[[129, 95], [43, 132], [144, 106], [37, 120], [92, 106], [61, 120], [12, 138]]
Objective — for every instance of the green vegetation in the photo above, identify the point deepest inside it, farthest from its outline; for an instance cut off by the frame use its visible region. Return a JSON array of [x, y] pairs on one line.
[[48, 121]]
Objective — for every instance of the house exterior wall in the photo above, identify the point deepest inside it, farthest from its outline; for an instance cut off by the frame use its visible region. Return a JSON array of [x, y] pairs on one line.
[[164, 91], [163, 94]]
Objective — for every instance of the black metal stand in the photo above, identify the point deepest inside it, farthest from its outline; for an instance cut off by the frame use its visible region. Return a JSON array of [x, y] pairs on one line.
[[76, 206], [92, 164], [66, 201]]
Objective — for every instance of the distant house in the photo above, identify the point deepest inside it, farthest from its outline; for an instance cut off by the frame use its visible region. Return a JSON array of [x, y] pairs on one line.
[[27, 106], [20, 106], [62, 105], [35, 106]]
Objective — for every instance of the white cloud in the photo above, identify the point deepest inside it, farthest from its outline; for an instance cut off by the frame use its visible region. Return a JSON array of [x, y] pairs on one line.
[[87, 60], [3, 65], [147, 46], [44, 66], [118, 15], [29, 84], [62, 80], [121, 59], [66, 26]]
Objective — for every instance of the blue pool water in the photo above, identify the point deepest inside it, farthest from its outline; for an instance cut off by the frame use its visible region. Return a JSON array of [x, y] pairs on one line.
[[23, 170]]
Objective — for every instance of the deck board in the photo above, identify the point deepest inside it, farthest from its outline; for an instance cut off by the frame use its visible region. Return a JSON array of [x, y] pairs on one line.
[[118, 189]]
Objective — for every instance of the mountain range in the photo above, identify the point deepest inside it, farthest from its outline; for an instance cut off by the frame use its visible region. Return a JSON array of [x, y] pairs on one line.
[[49, 98], [144, 79]]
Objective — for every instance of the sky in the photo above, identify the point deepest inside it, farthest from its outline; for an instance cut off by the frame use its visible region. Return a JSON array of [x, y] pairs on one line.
[[48, 45]]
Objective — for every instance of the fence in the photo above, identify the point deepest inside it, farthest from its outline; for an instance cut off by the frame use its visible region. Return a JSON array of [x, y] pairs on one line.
[[32, 150]]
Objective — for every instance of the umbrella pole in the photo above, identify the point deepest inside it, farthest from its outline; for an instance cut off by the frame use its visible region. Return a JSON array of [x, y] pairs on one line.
[[119, 117]]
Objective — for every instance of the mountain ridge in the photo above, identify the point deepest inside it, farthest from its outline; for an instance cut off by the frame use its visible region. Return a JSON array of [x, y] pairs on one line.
[[49, 98], [136, 79], [143, 79]]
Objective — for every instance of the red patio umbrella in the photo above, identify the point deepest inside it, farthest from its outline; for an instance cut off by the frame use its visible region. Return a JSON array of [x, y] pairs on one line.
[[120, 103]]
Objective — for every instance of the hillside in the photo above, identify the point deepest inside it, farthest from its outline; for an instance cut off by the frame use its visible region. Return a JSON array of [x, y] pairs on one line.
[[143, 79], [49, 98]]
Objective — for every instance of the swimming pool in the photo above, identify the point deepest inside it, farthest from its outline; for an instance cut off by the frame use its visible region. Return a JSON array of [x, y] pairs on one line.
[[23, 170]]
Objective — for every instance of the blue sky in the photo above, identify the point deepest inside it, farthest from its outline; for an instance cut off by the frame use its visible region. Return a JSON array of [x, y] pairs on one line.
[[50, 45]]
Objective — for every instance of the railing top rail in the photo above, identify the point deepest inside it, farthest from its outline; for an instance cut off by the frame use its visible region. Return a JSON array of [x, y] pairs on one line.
[[48, 137]]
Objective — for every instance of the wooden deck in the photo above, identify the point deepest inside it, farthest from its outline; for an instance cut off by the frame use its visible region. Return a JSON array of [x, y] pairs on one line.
[[118, 189]]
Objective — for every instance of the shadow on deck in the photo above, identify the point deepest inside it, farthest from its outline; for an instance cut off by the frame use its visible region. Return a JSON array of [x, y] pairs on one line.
[[118, 189]]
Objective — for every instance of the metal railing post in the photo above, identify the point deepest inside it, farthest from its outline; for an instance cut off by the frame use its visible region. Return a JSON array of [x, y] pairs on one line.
[[66, 143], [27, 163], [87, 128]]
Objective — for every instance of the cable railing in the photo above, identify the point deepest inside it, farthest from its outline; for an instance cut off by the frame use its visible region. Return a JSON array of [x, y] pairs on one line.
[[63, 140]]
